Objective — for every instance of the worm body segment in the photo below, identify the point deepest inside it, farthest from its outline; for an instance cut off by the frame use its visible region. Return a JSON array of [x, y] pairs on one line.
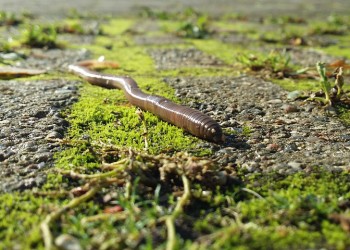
[[189, 119]]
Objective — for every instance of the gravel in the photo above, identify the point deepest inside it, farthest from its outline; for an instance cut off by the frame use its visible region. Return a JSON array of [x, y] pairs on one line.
[[30, 119], [285, 136], [53, 59], [31, 123], [177, 58]]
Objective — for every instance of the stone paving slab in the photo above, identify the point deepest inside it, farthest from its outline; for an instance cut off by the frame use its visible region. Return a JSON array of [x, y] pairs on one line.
[[321, 8], [30, 122]]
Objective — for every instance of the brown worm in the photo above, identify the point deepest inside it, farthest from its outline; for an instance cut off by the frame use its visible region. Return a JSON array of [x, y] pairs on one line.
[[189, 119]]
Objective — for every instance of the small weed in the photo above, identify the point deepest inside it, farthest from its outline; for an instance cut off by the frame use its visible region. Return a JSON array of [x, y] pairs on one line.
[[246, 130], [147, 12], [335, 25], [283, 20], [5, 47], [11, 19], [325, 85], [338, 20], [37, 36], [197, 28], [71, 28], [331, 94], [275, 63], [234, 17], [344, 113], [186, 14], [76, 27], [82, 14]]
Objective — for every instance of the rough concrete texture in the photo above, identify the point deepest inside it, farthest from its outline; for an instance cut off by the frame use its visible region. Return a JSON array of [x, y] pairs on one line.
[[245, 7]]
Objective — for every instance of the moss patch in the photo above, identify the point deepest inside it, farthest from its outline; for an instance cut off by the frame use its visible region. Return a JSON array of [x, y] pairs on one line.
[[223, 51], [291, 84], [292, 213], [20, 215], [117, 26]]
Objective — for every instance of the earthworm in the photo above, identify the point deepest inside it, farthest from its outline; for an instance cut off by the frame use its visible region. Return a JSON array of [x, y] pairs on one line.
[[191, 120]]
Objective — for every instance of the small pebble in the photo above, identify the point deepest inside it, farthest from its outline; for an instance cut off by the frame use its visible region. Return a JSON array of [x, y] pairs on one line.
[[67, 242], [294, 95], [54, 135], [274, 101], [290, 147], [295, 165], [289, 108], [273, 147]]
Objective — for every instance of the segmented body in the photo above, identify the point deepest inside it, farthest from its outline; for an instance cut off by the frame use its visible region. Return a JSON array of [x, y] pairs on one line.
[[191, 120]]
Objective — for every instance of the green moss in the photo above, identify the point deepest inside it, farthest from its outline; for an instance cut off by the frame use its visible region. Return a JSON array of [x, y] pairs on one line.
[[333, 27], [283, 34], [293, 214], [225, 52], [337, 50], [76, 26], [197, 28], [344, 114], [20, 215], [13, 19], [200, 72], [48, 76], [133, 60], [169, 26], [117, 27], [241, 27], [38, 36], [246, 130], [298, 84], [302, 84]]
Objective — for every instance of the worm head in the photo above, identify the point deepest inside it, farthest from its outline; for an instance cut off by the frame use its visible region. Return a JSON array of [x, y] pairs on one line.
[[215, 134]]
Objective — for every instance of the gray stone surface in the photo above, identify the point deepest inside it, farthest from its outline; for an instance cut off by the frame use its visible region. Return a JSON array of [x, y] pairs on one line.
[[30, 127], [30, 119], [178, 58], [285, 136], [246, 7]]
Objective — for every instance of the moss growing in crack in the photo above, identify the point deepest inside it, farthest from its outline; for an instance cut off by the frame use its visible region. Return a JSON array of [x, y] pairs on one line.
[[297, 84], [224, 52], [294, 213], [240, 27], [197, 29], [333, 26], [38, 36], [20, 213], [133, 60], [344, 113], [200, 72], [337, 50], [116, 27]]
